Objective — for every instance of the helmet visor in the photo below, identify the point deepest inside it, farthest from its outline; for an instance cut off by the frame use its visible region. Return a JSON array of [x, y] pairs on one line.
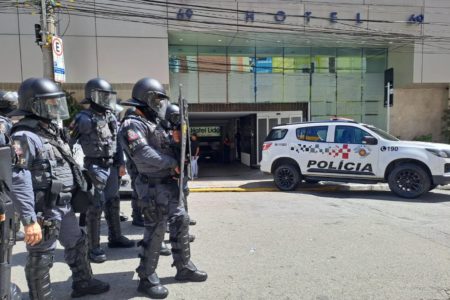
[[105, 99], [52, 108], [155, 100], [174, 118]]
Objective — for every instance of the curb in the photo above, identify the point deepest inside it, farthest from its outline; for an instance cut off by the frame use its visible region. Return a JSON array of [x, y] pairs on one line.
[[231, 189], [360, 188]]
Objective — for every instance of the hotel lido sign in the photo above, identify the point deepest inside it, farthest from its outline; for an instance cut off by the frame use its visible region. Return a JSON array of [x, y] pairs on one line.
[[281, 16]]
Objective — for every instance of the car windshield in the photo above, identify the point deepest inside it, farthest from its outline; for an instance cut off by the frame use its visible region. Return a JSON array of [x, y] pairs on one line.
[[382, 133]]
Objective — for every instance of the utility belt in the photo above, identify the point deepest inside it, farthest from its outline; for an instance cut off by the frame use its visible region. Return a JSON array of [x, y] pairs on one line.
[[104, 162], [156, 180]]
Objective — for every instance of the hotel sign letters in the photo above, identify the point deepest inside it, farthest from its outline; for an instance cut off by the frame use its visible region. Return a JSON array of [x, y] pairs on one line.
[[281, 16]]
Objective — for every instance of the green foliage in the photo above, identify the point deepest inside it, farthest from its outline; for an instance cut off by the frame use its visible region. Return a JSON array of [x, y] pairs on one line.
[[73, 106], [424, 138]]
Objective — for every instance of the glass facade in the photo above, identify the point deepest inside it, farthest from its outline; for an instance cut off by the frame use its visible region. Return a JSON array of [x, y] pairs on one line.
[[346, 82]]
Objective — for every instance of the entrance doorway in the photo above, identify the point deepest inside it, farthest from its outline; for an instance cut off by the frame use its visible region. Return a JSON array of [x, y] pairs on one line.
[[266, 121]]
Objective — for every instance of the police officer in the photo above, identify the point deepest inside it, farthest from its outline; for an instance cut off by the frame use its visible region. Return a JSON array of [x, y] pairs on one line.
[[138, 219], [8, 102], [43, 182], [148, 144], [95, 129], [172, 122], [8, 290]]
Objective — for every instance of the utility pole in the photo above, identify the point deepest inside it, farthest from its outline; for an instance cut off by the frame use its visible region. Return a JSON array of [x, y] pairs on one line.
[[48, 30]]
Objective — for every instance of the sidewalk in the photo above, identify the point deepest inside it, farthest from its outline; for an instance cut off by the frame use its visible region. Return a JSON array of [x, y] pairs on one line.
[[236, 177]]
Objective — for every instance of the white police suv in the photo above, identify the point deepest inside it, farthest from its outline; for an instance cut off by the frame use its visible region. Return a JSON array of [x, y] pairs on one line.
[[347, 151]]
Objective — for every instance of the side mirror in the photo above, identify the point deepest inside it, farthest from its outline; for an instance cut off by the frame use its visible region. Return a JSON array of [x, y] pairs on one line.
[[369, 140]]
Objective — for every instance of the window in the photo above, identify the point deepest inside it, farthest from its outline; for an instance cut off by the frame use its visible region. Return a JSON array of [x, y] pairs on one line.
[[312, 134], [349, 135], [276, 134], [382, 133]]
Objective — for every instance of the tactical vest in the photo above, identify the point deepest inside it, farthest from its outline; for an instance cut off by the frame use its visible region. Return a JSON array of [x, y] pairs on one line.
[[5, 130], [101, 142], [156, 137], [50, 172]]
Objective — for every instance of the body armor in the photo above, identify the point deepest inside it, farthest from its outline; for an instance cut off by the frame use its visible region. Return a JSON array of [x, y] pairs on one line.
[[157, 138], [101, 142], [51, 174]]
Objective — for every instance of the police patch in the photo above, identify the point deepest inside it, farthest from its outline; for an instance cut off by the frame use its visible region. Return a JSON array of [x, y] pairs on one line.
[[17, 148], [132, 135]]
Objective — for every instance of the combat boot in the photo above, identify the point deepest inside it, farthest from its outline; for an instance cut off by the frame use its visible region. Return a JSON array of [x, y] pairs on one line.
[[190, 273], [165, 251], [152, 287], [112, 216], [89, 287], [97, 255], [83, 281]]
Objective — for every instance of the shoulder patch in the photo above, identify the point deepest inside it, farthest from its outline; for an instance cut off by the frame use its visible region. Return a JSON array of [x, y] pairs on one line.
[[132, 135]]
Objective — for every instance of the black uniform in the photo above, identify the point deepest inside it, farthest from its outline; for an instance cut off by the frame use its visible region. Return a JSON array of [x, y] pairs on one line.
[[8, 227], [149, 146], [44, 179]]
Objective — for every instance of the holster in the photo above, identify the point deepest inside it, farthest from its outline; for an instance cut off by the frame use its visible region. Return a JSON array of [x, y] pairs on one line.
[[50, 229]]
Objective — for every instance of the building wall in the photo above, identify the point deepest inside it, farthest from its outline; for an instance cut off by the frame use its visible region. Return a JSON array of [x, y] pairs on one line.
[[419, 112]]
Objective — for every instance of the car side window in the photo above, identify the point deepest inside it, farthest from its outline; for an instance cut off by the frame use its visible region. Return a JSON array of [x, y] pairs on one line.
[[349, 135], [312, 134]]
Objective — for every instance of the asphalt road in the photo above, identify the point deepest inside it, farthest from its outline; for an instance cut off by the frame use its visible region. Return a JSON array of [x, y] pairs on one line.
[[320, 245]]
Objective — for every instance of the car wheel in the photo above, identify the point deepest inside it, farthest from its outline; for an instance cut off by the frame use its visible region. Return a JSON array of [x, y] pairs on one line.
[[409, 181], [312, 181], [433, 186], [286, 177]]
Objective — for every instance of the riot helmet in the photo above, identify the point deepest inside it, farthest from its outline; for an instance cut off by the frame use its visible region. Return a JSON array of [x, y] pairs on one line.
[[43, 98], [8, 101], [101, 93], [173, 115], [149, 93]]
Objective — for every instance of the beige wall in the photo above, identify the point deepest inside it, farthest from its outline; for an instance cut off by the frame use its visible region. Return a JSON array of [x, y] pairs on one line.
[[418, 112]]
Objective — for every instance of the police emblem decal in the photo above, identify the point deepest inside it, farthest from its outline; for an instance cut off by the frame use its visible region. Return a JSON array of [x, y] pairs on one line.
[[362, 151], [132, 135]]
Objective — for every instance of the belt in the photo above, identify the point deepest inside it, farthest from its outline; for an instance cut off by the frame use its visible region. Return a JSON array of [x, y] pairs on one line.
[[102, 161], [156, 180]]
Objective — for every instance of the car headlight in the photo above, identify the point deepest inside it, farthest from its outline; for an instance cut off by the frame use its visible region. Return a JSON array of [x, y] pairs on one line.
[[440, 153]]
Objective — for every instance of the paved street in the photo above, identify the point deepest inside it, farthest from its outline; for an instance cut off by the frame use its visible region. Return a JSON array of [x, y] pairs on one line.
[[315, 245]]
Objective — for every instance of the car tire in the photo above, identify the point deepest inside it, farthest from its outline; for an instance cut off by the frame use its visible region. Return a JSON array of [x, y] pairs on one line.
[[286, 177], [432, 187], [409, 180]]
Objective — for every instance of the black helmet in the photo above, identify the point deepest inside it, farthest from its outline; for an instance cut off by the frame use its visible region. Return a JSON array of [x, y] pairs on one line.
[[8, 101], [100, 92], [43, 98], [173, 114], [149, 92]]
